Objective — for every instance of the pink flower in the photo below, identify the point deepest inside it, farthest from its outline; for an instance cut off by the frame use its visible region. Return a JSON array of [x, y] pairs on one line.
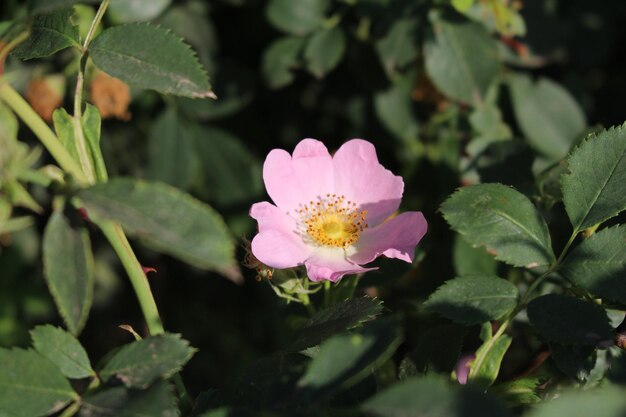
[[332, 213]]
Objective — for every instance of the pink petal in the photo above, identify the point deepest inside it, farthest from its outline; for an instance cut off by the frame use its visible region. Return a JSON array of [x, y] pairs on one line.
[[362, 179], [293, 182], [277, 244], [396, 238], [331, 264]]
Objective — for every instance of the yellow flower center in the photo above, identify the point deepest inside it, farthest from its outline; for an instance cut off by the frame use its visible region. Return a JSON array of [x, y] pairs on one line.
[[333, 221]]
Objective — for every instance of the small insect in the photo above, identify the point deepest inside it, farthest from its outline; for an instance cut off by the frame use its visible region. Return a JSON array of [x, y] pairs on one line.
[[250, 261]]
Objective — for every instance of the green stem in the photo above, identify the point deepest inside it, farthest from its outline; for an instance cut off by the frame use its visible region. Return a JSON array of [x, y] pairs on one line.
[[71, 410], [47, 137], [116, 237]]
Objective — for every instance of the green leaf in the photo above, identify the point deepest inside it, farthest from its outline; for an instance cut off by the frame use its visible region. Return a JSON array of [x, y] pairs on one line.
[[140, 363], [324, 51], [461, 58], [50, 33], [568, 320], [296, 17], [8, 128], [594, 190], [68, 269], [474, 299], [608, 401], [547, 114], [485, 368], [148, 56], [231, 173], [167, 219], [503, 220], [158, 400], [399, 48], [172, 155], [575, 361], [438, 349], [432, 396], [47, 6], [598, 264], [64, 128], [520, 391], [345, 359], [334, 319], [394, 109], [63, 350], [279, 59], [31, 385], [469, 260], [124, 11]]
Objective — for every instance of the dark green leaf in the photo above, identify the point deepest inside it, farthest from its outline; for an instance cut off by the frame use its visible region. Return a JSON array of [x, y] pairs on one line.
[[485, 368], [172, 155], [231, 173], [63, 350], [47, 6], [438, 349], [334, 319], [608, 401], [398, 48], [124, 11], [296, 17], [279, 59], [469, 260], [461, 58], [562, 319], [575, 361], [598, 264], [50, 33], [394, 108], [150, 57], [31, 385], [156, 401], [432, 396], [473, 300], [345, 359], [229, 412], [167, 219], [142, 362], [594, 190], [548, 115], [68, 269], [503, 220], [324, 51]]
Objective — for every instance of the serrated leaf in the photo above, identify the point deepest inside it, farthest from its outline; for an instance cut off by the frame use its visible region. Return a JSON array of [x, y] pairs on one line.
[[47, 6], [150, 57], [140, 363], [50, 33], [547, 114], [485, 368], [63, 350], [279, 59], [594, 189], [474, 299], [432, 396], [399, 47], [167, 219], [156, 401], [231, 173], [345, 359], [334, 319], [172, 155], [394, 109], [503, 220], [608, 401], [568, 320], [461, 58], [296, 17], [598, 264], [68, 269], [324, 50], [31, 385]]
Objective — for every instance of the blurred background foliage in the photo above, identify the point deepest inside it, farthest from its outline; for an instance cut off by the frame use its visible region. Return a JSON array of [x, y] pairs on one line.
[[451, 93]]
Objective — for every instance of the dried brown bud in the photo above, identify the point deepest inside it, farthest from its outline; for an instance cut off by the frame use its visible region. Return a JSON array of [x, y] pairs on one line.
[[111, 96], [45, 95]]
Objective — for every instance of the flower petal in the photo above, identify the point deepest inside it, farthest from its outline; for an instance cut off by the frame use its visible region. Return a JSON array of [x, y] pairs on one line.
[[362, 179], [396, 238], [330, 264], [277, 244], [294, 181]]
